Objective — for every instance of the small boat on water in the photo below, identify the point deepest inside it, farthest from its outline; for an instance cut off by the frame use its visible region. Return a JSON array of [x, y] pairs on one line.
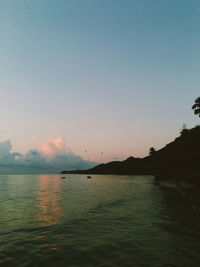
[[89, 177], [63, 177]]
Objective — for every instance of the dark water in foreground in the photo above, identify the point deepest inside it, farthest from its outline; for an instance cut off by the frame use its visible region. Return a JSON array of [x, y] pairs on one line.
[[103, 221]]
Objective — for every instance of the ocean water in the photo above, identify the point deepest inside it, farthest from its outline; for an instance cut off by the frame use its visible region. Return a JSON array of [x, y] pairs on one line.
[[109, 220]]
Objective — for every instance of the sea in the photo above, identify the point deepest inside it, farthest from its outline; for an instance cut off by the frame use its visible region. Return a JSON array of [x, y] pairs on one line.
[[108, 220]]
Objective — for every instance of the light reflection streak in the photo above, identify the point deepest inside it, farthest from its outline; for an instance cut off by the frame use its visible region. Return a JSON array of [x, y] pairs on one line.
[[49, 197]]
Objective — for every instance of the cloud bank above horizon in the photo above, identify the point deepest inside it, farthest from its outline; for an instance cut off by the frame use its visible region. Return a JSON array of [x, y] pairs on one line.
[[52, 156]]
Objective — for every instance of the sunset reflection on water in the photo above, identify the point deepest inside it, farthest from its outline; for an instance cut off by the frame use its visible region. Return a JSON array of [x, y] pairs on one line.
[[49, 197]]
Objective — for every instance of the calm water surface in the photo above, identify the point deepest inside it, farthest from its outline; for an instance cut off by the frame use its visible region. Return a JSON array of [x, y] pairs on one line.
[[104, 221]]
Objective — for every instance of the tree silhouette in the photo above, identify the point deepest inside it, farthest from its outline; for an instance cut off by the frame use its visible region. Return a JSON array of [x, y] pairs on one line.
[[152, 150], [196, 107]]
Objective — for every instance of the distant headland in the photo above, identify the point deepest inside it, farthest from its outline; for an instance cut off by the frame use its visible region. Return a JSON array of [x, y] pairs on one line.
[[178, 160], [175, 167]]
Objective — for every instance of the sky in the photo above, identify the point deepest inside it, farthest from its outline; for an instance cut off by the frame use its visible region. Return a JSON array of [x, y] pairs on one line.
[[110, 78]]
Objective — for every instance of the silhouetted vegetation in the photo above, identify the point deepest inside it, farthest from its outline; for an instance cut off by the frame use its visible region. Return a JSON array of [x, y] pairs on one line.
[[152, 150], [196, 107]]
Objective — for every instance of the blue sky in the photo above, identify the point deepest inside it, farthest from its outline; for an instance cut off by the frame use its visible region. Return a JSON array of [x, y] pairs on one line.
[[108, 76]]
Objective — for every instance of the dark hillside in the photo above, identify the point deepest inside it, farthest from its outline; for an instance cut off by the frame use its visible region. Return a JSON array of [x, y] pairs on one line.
[[128, 166], [178, 160]]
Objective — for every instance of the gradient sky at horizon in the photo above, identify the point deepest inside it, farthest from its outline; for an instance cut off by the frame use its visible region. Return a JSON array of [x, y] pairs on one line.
[[109, 76]]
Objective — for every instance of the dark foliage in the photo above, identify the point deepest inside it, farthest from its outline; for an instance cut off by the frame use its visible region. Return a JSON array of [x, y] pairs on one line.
[[152, 151], [196, 107]]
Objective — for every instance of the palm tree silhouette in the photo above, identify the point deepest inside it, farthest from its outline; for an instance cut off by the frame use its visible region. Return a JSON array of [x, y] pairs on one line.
[[196, 107]]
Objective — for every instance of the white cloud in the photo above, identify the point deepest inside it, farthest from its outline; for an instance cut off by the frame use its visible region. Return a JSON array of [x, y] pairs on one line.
[[53, 156]]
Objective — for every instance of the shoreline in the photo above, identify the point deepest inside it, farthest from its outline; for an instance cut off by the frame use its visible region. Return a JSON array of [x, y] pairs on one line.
[[187, 191]]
